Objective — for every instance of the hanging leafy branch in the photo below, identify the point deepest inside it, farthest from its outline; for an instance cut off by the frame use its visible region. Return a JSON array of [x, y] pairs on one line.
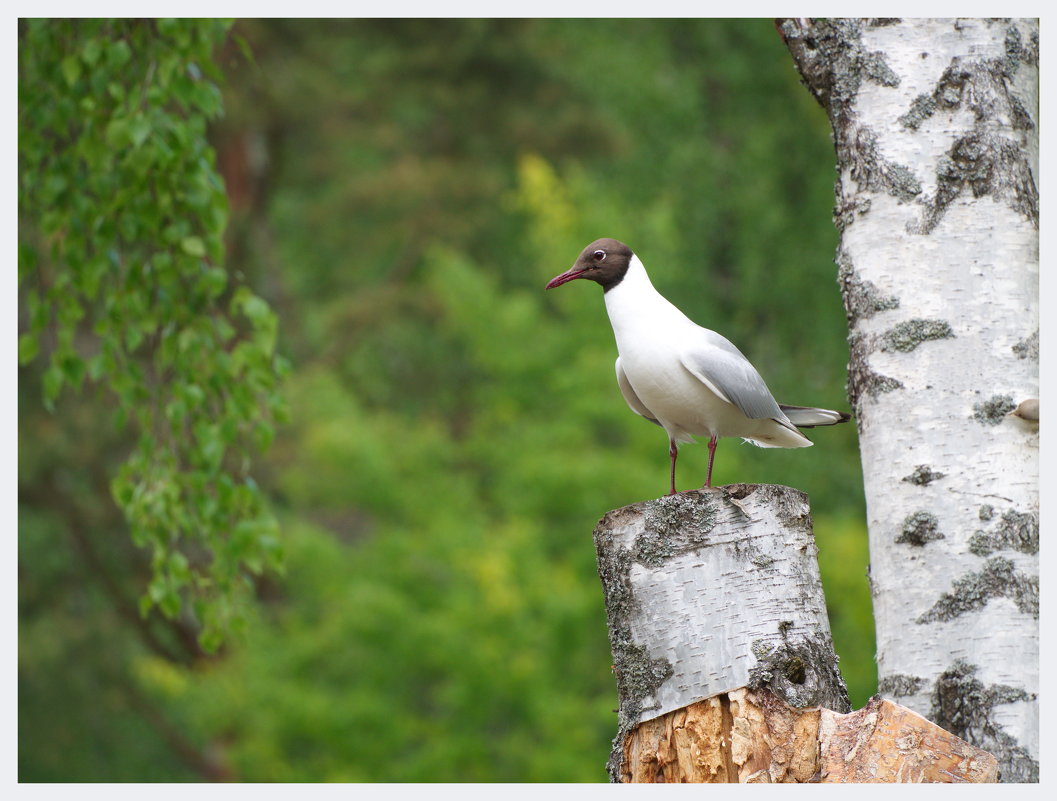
[[123, 285]]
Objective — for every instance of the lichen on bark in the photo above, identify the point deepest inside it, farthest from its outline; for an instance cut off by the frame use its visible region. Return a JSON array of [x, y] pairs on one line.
[[920, 528], [900, 685], [994, 410], [1016, 531], [673, 525], [923, 475], [999, 578], [1028, 348], [907, 335]]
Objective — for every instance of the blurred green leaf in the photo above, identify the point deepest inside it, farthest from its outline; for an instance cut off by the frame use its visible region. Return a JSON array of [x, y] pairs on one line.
[[28, 347], [193, 246], [71, 69]]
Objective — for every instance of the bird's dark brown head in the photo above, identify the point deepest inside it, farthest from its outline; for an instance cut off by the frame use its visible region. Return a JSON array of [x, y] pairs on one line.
[[604, 261]]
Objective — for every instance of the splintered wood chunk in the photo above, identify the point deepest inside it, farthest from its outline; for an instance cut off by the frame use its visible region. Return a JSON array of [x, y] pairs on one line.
[[885, 742]]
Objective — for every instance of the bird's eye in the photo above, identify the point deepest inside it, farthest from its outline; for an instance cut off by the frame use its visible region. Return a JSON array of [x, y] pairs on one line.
[[600, 255]]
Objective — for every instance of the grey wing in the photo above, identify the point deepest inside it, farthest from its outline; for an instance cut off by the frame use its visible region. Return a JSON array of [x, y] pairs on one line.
[[632, 399], [714, 361]]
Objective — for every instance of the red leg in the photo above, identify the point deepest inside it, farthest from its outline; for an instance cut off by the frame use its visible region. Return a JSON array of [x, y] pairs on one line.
[[711, 458], [673, 451]]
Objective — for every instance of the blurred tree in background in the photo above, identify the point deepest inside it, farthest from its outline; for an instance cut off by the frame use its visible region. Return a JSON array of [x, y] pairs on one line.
[[121, 268], [400, 191]]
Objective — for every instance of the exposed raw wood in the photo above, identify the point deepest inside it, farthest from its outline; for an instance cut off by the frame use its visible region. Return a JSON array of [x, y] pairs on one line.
[[753, 736], [687, 745]]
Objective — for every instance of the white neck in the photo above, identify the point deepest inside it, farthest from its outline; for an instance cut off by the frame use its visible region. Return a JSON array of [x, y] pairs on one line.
[[634, 304]]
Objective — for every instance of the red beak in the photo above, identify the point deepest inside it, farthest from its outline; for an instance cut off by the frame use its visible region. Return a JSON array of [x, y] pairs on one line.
[[565, 277]]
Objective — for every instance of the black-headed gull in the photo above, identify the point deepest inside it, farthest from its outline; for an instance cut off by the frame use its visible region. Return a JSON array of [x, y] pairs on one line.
[[685, 378]]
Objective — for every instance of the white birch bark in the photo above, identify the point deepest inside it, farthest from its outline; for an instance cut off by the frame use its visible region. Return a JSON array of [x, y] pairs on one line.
[[935, 128], [712, 590]]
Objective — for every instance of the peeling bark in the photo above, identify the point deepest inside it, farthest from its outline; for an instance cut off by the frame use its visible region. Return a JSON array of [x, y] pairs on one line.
[[936, 137]]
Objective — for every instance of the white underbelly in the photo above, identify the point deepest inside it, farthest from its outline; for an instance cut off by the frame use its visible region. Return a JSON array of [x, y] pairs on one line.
[[682, 404]]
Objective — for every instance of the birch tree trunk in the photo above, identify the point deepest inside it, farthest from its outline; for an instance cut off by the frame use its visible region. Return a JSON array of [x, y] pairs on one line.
[[935, 129]]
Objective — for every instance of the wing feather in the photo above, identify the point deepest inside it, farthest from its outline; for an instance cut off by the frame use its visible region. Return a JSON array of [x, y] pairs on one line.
[[714, 361], [632, 399]]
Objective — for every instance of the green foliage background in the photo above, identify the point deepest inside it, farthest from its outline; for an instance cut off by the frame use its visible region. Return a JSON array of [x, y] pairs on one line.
[[399, 193]]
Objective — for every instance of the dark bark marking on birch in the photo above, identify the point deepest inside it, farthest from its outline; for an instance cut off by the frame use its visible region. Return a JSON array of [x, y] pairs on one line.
[[923, 475], [873, 172], [844, 211], [985, 164], [1028, 348], [1017, 52], [920, 528], [900, 685], [907, 335], [802, 672], [832, 61], [964, 706], [862, 299], [1016, 531], [863, 381], [982, 161], [833, 64], [998, 579], [876, 68], [992, 412]]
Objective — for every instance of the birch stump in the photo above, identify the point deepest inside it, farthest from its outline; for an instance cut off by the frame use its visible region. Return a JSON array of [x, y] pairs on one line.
[[723, 657], [935, 130], [710, 591]]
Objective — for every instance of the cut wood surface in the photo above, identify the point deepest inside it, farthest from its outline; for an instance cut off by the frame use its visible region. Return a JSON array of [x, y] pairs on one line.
[[754, 736]]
